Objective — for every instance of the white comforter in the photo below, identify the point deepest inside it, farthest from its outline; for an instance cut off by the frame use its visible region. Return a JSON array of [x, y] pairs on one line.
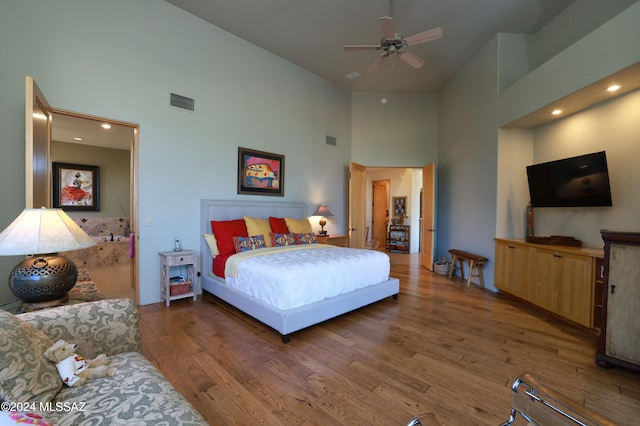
[[289, 277]]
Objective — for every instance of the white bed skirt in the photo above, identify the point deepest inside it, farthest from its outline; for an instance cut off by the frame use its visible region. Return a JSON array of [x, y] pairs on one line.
[[287, 321]]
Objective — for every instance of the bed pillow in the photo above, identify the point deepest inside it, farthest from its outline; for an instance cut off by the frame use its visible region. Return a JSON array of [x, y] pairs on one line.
[[279, 225], [298, 226], [225, 230], [259, 227], [212, 243], [248, 243], [25, 374], [23, 418], [308, 238], [281, 240]]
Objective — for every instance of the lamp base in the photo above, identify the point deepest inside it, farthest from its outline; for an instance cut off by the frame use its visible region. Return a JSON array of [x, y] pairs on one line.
[[43, 280], [36, 306]]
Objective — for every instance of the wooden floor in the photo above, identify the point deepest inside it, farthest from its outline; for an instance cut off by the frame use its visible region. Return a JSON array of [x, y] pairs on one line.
[[441, 350], [114, 281]]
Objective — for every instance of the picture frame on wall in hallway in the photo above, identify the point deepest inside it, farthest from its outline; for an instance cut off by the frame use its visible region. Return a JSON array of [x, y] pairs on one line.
[[76, 187], [260, 173]]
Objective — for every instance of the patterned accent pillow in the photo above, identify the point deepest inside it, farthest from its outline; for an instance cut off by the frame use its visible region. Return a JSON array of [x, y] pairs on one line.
[[248, 243], [23, 418], [308, 238], [281, 240], [25, 375]]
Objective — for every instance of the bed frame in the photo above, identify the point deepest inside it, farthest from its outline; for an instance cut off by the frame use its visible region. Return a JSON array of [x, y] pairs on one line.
[[285, 321]]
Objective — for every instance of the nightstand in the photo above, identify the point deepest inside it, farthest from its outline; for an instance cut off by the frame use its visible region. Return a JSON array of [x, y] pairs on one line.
[[178, 275], [334, 240]]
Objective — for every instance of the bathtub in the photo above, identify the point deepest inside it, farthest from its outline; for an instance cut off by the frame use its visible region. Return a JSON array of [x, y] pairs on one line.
[[104, 253]]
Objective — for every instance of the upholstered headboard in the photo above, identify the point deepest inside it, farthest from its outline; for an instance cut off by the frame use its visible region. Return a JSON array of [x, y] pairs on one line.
[[237, 209]]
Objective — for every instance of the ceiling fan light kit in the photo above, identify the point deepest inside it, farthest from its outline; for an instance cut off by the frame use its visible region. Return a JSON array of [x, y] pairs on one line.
[[393, 43]]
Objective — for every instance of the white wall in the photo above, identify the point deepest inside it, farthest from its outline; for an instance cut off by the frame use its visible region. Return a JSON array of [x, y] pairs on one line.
[[611, 126], [403, 132], [515, 152], [467, 160], [608, 49], [120, 60]]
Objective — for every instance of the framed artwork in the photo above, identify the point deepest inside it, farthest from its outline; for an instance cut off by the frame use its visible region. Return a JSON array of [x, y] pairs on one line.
[[399, 206], [76, 187], [260, 173]]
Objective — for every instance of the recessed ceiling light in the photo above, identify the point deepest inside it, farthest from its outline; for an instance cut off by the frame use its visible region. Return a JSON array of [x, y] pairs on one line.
[[106, 125], [77, 139], [556, 112], [613, 88], [353, 75]]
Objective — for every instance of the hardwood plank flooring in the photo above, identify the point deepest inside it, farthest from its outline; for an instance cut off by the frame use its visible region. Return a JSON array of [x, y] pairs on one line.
[[440, 351]]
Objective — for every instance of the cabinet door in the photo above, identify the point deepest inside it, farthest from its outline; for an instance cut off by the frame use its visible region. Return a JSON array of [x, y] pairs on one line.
[[575, 289], [512, 269], [623, 304], [548, 272]]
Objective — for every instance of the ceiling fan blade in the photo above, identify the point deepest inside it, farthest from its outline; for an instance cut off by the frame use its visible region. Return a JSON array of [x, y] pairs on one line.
[[432, 34], [376, 64], [411, 59], [388, 30], [361, 47]]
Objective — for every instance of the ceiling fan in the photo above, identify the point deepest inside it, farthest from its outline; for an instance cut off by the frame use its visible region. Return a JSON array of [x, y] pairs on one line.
[[394, 43]]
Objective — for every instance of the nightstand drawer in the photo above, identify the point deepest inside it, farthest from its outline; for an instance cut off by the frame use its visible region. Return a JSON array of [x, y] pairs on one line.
[[177, 259]]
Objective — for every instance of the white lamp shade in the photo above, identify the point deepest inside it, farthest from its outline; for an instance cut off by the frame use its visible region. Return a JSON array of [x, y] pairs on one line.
[[41, 231]]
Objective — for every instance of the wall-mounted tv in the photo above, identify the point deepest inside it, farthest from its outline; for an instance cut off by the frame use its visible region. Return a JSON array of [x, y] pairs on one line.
[[581, 181]]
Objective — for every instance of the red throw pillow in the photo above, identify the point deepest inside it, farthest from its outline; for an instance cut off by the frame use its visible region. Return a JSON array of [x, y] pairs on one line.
[[225, 230], [278, 225]]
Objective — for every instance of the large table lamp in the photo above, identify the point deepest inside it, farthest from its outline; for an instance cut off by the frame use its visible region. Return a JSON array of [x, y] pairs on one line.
[[44, 278], [323, 211]]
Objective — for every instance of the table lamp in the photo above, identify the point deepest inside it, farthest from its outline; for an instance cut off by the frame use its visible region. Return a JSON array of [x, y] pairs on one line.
[[323, 211], [43, 279]]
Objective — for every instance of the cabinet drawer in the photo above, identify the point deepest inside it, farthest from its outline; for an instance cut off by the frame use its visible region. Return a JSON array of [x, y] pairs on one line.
[[176, 260]]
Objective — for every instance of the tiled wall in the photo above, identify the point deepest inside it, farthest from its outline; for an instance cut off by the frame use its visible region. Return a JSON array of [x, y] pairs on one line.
[[104, 253], [103, 226]]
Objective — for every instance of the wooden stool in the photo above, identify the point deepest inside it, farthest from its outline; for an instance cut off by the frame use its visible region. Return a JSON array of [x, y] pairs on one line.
[[475, 261]]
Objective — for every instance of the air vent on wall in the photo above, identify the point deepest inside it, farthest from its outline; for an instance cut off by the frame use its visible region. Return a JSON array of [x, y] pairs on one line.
[[182, 102], [331, 141]]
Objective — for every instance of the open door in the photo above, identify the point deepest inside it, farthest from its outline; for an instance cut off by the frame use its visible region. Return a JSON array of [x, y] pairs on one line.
[[427, 246], [357, 203], [380, 210], [37, 147]]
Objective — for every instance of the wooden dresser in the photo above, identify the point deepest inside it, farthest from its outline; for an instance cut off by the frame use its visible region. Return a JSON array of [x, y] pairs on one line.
[[334, 240], [559, 279]]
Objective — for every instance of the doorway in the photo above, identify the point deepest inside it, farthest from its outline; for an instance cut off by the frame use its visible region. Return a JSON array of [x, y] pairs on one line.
[[71, 137], [380, 210]]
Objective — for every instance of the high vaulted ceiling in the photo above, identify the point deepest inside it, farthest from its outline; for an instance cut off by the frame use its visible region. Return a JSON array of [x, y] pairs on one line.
[[312, 33]]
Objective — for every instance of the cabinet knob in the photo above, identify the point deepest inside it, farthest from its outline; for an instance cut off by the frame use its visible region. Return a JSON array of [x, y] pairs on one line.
[[613, 288]]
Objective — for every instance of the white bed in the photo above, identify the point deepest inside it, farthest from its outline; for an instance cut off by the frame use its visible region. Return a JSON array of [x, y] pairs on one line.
[[285, 321]]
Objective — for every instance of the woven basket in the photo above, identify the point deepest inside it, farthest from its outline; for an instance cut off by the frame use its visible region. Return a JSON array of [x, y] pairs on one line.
[[176, 289], [441, 269]]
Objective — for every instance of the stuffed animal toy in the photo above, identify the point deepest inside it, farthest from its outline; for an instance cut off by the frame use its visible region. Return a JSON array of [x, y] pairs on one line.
[[74, 369]]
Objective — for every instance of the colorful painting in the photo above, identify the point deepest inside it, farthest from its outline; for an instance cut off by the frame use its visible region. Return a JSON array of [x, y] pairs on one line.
[[260, 173], [76, 187]]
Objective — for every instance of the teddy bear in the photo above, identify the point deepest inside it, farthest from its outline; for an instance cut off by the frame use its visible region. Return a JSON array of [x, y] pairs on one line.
[[73, 368]]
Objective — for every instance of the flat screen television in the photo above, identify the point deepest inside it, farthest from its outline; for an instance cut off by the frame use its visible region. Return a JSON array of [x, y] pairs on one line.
[[581, 181]]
